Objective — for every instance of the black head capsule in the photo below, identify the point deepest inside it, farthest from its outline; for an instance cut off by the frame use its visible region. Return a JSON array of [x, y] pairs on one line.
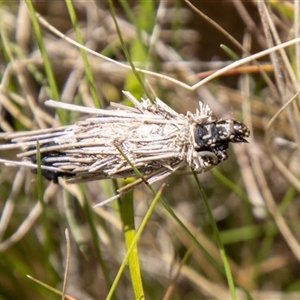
[[240, 131], [215, 136]]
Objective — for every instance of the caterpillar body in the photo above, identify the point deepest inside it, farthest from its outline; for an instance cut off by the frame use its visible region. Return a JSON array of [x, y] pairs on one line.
[[152, 139]]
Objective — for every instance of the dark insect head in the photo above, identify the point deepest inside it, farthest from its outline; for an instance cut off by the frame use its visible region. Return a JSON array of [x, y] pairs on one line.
[[215, 136], [240, 131]]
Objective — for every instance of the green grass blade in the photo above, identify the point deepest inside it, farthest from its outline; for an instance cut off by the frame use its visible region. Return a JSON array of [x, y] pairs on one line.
[[46, 61], [230, 52], [231, 185], [125, 50], [139, 51], [95, 238], [87, 67], [127, 214], [218, 239], [132, 244]]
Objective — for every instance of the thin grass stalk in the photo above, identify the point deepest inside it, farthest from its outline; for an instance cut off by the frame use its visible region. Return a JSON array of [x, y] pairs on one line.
[[231, 185], [183, 261], [139, 51], [287, 198], [190, 234], [46, 61], [10, 203], [6, 97], [245, 233], [85, 205], [128, 57], [134, 241], [272, 207], [296, 31], [50, 288], [95, 238], [277, 162], [67, 265], [91, 222], [230, 52], [142, 22], [188, 87], [218, 239], [86, 64]]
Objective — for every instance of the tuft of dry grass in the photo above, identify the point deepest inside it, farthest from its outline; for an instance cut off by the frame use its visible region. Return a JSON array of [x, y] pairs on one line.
[[175, 251]]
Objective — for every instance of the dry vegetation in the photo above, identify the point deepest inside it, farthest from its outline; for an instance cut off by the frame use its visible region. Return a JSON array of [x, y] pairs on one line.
[[253, 196]]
